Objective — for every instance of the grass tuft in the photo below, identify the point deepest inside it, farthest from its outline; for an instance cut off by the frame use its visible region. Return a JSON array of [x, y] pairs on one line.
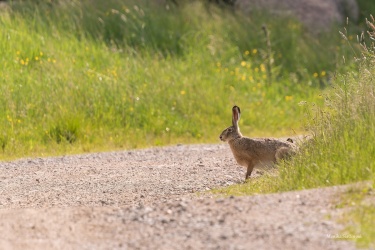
[[65, 130]]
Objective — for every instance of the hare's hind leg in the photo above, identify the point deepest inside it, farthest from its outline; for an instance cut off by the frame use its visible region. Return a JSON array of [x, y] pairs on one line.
[[283, 153]]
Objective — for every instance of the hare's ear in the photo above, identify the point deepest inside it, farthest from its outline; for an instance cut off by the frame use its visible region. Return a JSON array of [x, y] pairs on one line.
[[236, 116]]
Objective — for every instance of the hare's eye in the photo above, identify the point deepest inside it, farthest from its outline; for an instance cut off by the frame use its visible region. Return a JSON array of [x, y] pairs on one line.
[[229, 130]]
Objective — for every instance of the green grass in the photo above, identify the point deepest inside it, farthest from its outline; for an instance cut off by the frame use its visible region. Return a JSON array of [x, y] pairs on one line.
[[359, 216], [79, 77]]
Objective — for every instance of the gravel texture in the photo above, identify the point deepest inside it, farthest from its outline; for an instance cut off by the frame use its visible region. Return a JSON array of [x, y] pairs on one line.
[[146, 199]]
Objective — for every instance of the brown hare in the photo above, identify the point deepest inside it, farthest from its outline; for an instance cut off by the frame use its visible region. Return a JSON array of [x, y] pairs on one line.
[[257, 152]]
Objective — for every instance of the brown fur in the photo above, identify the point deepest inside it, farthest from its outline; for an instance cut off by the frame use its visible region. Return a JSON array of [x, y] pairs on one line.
[[254, 152]]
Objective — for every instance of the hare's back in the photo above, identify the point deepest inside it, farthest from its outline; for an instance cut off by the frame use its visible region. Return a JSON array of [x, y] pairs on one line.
[[273, 143], [250, 146]]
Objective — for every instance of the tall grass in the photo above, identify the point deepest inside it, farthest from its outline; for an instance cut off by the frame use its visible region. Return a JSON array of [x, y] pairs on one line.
[[342, 150], [99, 75]]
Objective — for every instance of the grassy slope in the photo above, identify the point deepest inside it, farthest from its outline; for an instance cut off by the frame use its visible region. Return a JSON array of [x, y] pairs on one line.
[[112, 75]]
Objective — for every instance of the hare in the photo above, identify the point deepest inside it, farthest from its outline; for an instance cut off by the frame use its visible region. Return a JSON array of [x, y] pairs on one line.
[[258, 152]]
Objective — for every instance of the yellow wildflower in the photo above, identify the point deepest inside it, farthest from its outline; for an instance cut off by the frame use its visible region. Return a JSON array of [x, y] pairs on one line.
[[182, 92], [315, 75], [323, 73], [262, 68], [243, 63], [288, 98], [255, 51]]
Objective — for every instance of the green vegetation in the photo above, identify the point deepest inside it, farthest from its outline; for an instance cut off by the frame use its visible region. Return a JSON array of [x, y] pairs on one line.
[[359, 219], [82, 76]]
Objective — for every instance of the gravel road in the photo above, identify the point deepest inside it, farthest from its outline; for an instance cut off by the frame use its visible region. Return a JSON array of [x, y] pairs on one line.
[[147, 199]]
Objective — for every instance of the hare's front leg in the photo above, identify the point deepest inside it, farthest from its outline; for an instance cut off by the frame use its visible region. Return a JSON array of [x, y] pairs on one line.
[[250, 168]]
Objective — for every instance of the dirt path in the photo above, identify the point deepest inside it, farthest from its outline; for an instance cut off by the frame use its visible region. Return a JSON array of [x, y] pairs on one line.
[[144, 199]]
